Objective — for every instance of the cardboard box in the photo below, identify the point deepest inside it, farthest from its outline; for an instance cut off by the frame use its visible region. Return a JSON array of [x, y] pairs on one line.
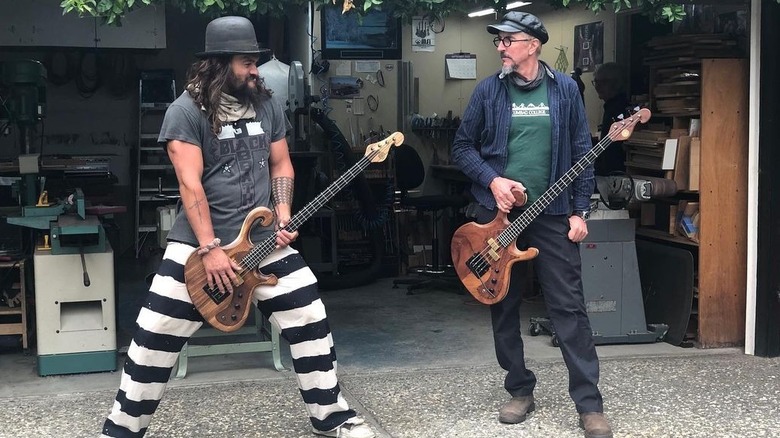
[[682, 163], [693, 164]]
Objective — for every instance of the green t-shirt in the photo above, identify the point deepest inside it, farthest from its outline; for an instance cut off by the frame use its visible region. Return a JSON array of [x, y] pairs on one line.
[[530, 140]]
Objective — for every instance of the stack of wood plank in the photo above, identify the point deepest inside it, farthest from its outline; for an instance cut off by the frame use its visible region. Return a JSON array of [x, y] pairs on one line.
[[645, 148], [676, 61], [674, 49]]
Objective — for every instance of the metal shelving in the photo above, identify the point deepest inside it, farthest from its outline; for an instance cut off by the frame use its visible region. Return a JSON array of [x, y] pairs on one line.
[[156, 184]]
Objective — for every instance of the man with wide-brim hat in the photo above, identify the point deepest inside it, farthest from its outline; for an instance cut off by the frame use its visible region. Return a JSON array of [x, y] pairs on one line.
[[225, 137], [524, 128]]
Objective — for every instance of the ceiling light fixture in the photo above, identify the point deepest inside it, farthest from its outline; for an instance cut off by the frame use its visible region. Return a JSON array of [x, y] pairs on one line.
[[513, 5]]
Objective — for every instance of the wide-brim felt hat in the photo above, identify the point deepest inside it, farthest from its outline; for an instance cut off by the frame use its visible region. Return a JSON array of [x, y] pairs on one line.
[[515, 21], [230, 36]]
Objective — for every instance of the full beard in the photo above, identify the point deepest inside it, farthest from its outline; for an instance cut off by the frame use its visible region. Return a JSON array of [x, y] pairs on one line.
[[241, 90]]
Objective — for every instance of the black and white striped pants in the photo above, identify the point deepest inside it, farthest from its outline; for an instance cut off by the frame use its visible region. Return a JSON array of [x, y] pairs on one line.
[[168, 319]]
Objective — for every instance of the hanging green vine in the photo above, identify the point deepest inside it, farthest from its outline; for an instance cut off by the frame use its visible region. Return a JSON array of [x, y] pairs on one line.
[[112, 11]]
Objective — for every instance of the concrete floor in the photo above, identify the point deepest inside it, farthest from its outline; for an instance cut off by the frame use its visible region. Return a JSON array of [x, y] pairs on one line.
[[414, 366]]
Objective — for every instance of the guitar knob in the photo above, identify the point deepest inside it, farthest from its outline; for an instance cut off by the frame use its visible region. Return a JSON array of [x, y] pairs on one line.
[[494, 281], [241, 295], [222, 317], [492, 291], [237, 306], [233, 317], [495, 270]]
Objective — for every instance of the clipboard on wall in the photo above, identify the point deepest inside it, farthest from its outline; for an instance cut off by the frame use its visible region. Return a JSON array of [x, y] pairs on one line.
[[460, 66]]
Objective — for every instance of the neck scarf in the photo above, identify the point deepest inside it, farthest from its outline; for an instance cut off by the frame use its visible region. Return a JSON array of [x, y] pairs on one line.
[[527, 85], [230, 109]]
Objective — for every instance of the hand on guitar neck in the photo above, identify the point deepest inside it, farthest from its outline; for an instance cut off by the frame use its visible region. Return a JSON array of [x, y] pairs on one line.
[[284, 237]]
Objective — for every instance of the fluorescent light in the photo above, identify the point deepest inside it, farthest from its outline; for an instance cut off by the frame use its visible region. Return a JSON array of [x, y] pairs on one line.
[[513, 5], [481, 13], [516, 5]]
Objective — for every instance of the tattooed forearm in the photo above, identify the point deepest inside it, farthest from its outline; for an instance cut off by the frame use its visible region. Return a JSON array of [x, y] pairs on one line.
[[282, 190], [196, 206]]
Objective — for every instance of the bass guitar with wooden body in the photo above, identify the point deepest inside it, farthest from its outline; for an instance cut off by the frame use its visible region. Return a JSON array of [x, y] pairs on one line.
[[227, 311], [483, 254]]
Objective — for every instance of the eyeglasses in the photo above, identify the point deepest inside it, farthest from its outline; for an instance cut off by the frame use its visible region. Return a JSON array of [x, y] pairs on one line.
[[507, 41]]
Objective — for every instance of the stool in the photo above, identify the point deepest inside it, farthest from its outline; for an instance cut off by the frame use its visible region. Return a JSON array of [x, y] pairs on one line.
[[16, 292], [409, 174], [266, 339], [433, 274]]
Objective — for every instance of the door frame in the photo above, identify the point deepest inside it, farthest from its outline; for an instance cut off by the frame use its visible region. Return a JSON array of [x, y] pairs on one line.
[[763, 282]]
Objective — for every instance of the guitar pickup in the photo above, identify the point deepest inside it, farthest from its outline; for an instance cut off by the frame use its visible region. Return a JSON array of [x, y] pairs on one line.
[[215, 294], [494, 247], [477, 265]]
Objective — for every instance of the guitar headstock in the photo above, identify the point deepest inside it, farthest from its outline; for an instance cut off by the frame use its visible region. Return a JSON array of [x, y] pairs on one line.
[[622, 129], [378, 151]]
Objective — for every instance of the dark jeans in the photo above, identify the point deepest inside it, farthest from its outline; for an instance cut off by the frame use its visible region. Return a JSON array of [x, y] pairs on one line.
[[558, 267]]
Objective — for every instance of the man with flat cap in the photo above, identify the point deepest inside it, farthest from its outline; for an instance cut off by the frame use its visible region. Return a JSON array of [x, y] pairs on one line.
[[226, 139], [523, 129]]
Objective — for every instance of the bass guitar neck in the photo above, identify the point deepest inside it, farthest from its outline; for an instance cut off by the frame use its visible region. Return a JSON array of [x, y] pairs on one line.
[[226, 310]]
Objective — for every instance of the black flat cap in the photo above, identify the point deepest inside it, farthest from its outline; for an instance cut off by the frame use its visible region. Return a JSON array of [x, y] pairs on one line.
[[521, 22]]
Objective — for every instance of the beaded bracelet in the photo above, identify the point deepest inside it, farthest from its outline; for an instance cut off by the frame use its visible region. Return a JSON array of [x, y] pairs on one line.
[[206, 248]]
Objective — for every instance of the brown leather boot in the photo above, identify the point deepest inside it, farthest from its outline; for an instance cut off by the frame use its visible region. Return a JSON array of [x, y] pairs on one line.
[[595, 425], [516, 409]]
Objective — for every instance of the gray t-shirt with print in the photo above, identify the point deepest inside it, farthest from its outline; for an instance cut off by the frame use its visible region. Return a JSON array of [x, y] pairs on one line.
[[235, 165]]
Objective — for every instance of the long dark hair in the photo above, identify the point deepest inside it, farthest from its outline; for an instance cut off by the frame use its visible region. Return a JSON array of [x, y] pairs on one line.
[[206, 80]]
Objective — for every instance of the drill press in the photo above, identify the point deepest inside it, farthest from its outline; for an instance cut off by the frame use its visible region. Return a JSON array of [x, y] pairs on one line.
[[75, 314]]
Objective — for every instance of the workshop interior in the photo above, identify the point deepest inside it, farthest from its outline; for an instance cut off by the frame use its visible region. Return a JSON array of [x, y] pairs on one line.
[[86, 191]]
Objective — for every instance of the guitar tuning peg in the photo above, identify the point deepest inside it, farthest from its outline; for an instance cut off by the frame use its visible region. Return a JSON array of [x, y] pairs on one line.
[[620, 117], [636, 109]]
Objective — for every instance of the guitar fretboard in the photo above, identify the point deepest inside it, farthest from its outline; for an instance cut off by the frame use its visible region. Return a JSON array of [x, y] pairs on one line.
[[262, 250], [506, 237]]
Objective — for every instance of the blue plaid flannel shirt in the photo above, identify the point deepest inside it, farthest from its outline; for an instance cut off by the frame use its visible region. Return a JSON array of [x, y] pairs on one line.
[[480, 144]]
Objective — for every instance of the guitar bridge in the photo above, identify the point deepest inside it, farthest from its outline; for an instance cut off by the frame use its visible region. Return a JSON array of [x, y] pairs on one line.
[[215, 294], [477, 265]]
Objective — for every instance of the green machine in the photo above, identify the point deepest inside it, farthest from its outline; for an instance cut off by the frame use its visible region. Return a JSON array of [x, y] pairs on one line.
[[75, 314], [23, 98], [72, 231], [23, 105]]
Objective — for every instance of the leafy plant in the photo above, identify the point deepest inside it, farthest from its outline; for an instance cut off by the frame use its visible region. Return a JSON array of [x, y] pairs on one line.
[[112, 11]]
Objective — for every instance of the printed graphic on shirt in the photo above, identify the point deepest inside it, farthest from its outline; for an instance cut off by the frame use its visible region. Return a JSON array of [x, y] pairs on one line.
[[254, 128], [530, 110], [241, 147]]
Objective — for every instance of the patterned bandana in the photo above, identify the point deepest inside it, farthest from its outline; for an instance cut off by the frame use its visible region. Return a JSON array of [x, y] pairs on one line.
[[231, 110]]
